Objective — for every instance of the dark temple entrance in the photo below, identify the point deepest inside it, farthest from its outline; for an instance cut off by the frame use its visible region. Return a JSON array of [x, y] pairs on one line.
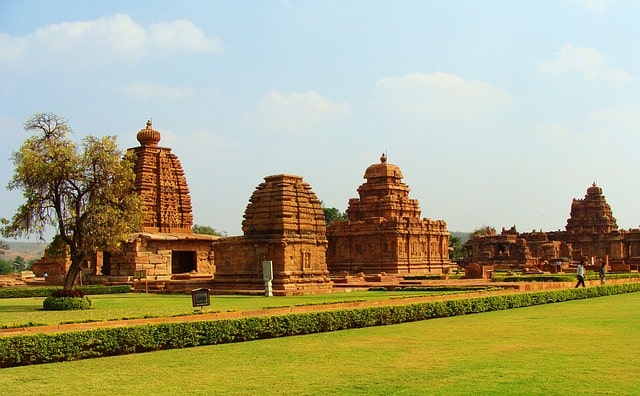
[[183, 261]]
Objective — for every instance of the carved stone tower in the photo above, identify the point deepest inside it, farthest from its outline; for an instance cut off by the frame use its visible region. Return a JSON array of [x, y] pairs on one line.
[[161, 183], [384, 232], [591, 215], [283, 223]]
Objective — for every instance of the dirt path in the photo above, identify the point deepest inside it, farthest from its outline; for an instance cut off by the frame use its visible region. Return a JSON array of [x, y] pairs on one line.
[[525, 288], [241, 314]]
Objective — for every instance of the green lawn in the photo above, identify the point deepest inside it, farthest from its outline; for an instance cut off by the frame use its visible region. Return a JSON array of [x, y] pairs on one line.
[[19, 311], [578, 347]]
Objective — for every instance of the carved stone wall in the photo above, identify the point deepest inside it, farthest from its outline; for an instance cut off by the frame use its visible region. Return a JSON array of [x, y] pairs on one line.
[[283, 223], [161, 183], [159, 255], [384, 231], [591, 232]]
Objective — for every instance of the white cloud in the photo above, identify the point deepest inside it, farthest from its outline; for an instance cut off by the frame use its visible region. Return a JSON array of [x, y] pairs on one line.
[[110, 39], [11, 48], [586, 62], [295, 112], [611, 126], [555, 134], [146, 90], [199, 145], [625, 118], [182, 35], [439, 95], [592, 5]]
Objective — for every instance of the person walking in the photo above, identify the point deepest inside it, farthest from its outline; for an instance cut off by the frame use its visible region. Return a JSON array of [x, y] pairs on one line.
[[602, 272], [580, 274]]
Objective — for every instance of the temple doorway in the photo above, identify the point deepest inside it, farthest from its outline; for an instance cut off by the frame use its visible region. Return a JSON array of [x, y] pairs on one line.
[[106, 263], [183, 261]]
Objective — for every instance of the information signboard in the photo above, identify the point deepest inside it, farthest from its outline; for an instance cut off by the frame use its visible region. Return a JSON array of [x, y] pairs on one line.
[[200, 297]]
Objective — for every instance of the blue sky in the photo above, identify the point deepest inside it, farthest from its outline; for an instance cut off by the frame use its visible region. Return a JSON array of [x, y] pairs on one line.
[[498, 112]]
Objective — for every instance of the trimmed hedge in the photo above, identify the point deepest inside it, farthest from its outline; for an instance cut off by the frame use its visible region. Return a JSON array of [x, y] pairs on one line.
[[435, 288], [47, 348], [66, 303], [24, 292], [563, 277], [423, 277]]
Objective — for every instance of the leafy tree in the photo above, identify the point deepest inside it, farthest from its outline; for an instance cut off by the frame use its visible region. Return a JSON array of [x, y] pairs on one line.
[[202, 229], [455, 247], [19, 263], [85, 191], [333, 214], [6, 267], [483, 231], [3, 247]]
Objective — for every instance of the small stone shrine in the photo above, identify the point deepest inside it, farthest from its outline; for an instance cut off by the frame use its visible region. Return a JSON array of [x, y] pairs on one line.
[[166, 247], [283, 223], [384, 232]]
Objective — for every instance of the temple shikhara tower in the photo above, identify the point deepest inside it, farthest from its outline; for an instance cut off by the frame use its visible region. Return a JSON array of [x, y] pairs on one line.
[[161, 183], [283, 223], [591, 215], [591, 234], [384, 232]]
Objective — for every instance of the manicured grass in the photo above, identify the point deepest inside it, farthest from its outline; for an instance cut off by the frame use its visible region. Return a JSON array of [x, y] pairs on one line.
[[20, 311], [579, 347]]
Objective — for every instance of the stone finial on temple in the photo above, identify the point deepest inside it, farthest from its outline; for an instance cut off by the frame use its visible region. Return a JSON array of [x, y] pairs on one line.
[[148, 136]]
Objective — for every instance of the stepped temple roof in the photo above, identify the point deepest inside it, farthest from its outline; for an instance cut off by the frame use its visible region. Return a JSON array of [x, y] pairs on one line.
[[284, 205], [161, 183]]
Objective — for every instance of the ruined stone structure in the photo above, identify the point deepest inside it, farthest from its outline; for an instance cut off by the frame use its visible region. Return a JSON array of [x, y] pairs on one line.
[[283, 223], [501, 250], [54, 263], [384, 232], [166, 247], [591, 234]]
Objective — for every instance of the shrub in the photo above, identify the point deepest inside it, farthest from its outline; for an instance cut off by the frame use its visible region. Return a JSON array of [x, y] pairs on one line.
[[45, 348], [66, 303], [24, 292], [68, 293]]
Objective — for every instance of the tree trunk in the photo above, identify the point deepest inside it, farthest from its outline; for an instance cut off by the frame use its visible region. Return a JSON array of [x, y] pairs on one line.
[[72, 276]]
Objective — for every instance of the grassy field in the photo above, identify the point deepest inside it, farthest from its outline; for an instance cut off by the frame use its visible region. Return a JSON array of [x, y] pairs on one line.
[[578, 347], [19, 311]]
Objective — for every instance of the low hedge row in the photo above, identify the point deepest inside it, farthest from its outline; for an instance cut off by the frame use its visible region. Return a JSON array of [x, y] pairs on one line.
[[46, 348], [563, 277], [434, 288], [423, 277], [24, 292]]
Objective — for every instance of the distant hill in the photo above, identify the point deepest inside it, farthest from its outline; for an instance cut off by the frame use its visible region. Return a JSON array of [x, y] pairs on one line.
[[27, 250], [464, 236]]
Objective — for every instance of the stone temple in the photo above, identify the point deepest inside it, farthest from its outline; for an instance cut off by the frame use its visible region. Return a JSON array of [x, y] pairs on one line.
[[166, 247], [283, 223], [591, 234], [384, 232]]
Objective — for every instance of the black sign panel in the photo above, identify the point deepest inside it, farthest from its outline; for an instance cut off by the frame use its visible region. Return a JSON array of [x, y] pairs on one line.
[[200, 297]]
